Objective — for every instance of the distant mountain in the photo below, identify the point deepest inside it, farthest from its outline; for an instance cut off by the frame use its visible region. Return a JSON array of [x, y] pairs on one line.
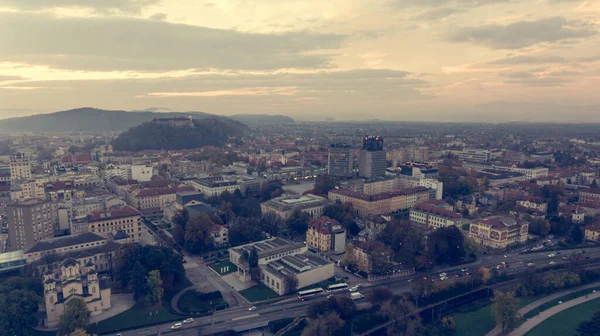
[[262, 119], [178, 133], [102, 121]]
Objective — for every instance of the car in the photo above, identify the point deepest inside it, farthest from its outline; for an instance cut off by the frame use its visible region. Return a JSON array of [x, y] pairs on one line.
[[443, 278], [464, 269], [565, 258], [409, 280], [329, 296], [553, 263], [176, 326], [119, 334], [507, 256], [188, 320], [580, 252], [353, 289], [442, 275], [253, 308], [531, 264], [551, 255]]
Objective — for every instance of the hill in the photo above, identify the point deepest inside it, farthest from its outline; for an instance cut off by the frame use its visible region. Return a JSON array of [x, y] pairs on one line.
[[178, 133], [102, 121]]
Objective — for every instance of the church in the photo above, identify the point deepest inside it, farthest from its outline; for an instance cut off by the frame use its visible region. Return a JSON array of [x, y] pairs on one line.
[[73, 281]]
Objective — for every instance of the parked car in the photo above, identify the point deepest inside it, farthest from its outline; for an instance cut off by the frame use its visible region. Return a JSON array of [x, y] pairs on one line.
[[176, 326], [188, 320]]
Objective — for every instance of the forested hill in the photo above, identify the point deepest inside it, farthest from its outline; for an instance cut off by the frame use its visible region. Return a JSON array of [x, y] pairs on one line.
[[91, 120], [158, 135]]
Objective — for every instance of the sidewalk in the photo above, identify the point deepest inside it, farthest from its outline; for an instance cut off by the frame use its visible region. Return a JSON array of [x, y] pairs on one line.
[[534, 321], [497, 331]]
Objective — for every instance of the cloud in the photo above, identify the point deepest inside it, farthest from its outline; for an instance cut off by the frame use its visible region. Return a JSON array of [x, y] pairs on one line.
[[9, 78], [539, 81], [527, 59], [518, 74], [134, 6], [262, 91], [118, 43], [522, 34], [437, 14], [439, 3], [159, 16]]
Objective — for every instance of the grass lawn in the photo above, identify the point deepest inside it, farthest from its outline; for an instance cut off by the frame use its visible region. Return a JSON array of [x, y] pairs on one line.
[[218, 267], [474, 322], [133, 318], [554, 302], [258, 293], [565, 322]]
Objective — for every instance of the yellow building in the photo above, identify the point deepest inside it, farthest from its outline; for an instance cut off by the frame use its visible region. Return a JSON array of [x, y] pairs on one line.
[[384, 203], [72, 282], [592, 232], [326, 234], [126, 219], [498, 231]]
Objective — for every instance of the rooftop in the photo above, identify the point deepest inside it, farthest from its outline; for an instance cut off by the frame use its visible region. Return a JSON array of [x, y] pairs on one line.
[[126, 211], [60, 242], [293, 264], [269, 247], [377, 197], [286, 203], [499, 222]]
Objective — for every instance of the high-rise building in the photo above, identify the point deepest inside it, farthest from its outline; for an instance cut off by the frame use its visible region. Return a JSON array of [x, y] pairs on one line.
[[372, 161], [29, 221], [20, 167], [339, 160]]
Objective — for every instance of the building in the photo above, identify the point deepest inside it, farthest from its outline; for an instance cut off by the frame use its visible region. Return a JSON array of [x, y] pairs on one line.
[[29, 221], [534, 203], [20, 167], [435, 215], [384, 203], [475, 155], [360, 254], [591, 195], [592, 232], [326, 234], [153, 200], [340, 160], [61, 245], [281, 261], [215, 186], [107, 223], [372, 160], [27, 189], [285, 205], [220, 234], [498, 231], [141, 173], [12, 261], [74, 281]]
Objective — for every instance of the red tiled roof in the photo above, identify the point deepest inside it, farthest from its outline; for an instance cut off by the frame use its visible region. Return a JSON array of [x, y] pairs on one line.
[[58, 185], [591, 191], [126, 211], [377, 197], [323, 224], [431, 208]]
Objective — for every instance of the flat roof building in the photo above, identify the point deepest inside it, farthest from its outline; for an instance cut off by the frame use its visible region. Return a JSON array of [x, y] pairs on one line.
[[285, 205]]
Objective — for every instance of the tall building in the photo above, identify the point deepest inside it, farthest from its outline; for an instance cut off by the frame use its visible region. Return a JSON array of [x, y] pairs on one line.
[[20, 167], [29, 221], [339, 160], [372, 161]]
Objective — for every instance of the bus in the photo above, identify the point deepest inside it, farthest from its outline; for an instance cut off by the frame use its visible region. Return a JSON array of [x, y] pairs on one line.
[[335, 287], [302, 295]]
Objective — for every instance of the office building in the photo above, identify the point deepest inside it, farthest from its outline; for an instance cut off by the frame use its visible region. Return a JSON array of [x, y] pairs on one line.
[[340, 160], [372, 160], [29, 221], [110, 223], [20, 167], [498, 231], [384, 203], [475, 155], [285, 205], [435, 214]]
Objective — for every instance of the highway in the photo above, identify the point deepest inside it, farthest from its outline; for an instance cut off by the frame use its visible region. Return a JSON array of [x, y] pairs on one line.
[[292, 307]]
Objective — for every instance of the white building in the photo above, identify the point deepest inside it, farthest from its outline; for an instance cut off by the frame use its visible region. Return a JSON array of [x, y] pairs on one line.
[[20, 167], [141, 173]]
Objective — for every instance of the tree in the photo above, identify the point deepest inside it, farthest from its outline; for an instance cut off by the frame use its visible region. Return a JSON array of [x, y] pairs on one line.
[[154, 289], [539, 227], [576, 234], [18, 311], [76, 316], [505, 308], [79, 332], [380, 295], [298, 221], [179, 234], [399, 311], [244, 231], [323, 184], [290, 283], [445, 245], [197, 234], [484, 274], [324, 325], [271, 223], [591, 327], [253, 258], [137, 281]]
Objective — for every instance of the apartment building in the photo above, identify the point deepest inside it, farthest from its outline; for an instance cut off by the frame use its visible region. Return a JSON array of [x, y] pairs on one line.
[[475, 155], [27, 189], [384, 203], [214, 186], [20, 167], [359, 254], [326, 234], [592, 232], [498, 231], [61, 245], [107, 223], [591, 195], [340, 160], [434, 215], [29, 221], [534, 203]]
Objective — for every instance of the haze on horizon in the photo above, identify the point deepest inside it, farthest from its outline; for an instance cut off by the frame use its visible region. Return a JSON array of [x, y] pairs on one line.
[[435, 60]]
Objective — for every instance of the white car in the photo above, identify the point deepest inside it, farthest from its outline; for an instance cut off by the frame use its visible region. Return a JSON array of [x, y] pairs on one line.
[[551, 255], [531, 264], [442, 275], [252, 308], [188, 320], [553, 263], [176, 326], [353, 289]]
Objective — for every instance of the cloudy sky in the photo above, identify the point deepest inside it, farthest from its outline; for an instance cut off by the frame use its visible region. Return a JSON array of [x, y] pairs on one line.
[[346, 59]]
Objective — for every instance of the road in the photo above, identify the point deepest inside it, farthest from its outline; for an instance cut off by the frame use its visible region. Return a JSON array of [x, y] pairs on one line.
[[292, 307]]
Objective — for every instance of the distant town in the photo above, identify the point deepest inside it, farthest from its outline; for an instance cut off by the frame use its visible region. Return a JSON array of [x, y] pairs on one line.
[[202, 226]]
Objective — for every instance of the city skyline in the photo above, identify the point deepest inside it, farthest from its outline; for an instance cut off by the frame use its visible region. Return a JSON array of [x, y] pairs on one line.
[[433, 60]]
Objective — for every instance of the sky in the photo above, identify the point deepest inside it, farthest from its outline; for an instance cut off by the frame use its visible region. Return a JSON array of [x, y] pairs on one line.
[[433, 60]]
